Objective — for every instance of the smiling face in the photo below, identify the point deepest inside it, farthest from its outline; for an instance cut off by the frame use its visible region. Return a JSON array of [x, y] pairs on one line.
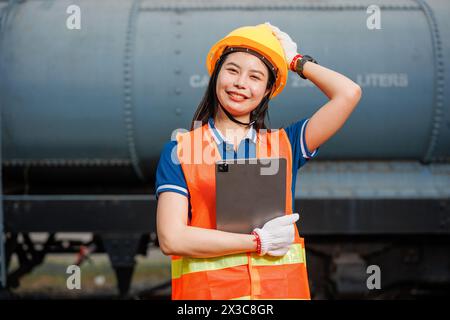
[[242, 83]]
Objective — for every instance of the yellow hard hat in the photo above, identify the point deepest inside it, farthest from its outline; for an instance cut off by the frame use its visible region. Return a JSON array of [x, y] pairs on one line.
[[260, 39]]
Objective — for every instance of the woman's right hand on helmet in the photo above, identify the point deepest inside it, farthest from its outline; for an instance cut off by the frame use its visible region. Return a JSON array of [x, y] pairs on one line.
[[277, 235]]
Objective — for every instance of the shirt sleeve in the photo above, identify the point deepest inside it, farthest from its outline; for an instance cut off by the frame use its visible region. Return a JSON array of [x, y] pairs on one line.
[[300, 151], [169, 174]]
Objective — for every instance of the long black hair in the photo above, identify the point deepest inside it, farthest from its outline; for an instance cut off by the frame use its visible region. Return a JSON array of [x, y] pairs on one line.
[[209, 105]]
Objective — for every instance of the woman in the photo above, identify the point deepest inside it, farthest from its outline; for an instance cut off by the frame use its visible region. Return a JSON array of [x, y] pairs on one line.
[[248, 67]]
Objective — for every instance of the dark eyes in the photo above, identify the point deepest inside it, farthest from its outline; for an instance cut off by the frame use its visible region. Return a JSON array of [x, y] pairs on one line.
[[235, 71]]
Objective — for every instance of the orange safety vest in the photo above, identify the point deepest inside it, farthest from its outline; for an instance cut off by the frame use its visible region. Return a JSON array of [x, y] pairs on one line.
[[235, 276]]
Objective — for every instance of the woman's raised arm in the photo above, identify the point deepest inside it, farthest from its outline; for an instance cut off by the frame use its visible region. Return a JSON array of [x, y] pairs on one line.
[[344, 95]]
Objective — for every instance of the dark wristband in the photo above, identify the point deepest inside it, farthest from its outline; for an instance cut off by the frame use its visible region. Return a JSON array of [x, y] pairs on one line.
[[301, 63]]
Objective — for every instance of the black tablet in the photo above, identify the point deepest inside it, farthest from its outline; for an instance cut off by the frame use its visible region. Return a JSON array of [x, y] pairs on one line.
[[249, 192]]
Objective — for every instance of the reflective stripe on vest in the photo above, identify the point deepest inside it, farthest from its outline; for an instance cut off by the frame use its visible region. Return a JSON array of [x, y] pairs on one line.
[[185, 265]]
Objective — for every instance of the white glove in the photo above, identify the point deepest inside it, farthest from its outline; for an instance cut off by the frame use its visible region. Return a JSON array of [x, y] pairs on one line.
[[289, 46], [277, 235]]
